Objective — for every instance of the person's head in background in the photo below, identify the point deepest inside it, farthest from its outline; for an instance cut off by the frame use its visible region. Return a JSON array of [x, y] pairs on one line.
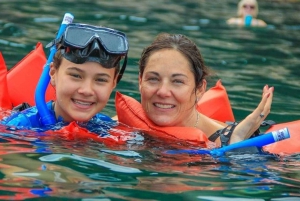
[[172, 79], [247, 7], [85, 70]]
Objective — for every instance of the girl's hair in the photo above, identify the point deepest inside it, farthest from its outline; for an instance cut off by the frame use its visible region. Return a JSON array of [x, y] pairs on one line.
[[58, 58]]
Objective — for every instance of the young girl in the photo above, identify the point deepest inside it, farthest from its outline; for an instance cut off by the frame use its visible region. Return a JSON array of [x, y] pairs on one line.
[[84, 71]]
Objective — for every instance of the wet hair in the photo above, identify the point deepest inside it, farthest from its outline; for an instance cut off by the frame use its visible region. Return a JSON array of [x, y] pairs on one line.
[[242, 3], [58, 58], [183, 45]]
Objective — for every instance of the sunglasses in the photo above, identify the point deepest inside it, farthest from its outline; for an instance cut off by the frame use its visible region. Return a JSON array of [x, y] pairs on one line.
[[81, 43], [249, 6]]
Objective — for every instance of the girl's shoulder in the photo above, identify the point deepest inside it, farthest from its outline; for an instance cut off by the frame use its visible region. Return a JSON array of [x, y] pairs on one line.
[[27, 119]]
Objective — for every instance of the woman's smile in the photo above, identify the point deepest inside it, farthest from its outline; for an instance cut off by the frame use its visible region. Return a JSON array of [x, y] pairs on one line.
[[163, 106]]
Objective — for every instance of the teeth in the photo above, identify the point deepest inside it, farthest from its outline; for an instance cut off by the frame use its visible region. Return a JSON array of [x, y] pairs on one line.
[[82, 103], [163, 106]]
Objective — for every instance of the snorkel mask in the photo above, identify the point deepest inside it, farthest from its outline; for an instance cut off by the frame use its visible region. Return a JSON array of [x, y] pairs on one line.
[[81, 43]]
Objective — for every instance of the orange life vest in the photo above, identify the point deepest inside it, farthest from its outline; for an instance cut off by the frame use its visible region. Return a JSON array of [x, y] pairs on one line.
[[215, 104], [74, 132], [290, 145], [24, 76], [5, 102]]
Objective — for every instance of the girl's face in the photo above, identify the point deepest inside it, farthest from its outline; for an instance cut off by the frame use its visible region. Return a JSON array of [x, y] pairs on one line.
[[82, 90], [167, 89]]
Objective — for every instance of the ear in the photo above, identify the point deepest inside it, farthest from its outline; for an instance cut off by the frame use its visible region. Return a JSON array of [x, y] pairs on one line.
[[115, 82], [140, 82], [52, 74], [201, 90]]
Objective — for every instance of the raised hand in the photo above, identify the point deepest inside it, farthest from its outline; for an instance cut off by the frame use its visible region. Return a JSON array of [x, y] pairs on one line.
[[253, 121]]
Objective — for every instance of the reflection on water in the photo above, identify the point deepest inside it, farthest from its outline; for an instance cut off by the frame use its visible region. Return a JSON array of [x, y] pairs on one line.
[[38, 164]]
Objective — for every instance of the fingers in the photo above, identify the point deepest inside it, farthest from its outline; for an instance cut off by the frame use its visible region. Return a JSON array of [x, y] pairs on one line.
[[266, 89], [264, 106], [253, 121], [263, 109], [267, 102]]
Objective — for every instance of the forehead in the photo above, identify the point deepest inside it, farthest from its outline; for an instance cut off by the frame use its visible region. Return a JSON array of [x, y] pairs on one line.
[[170, 60], [168, 57], [249, 2], [168, 53], [88, 66]]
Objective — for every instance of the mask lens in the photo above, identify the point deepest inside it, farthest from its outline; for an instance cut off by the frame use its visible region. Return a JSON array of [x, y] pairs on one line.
[[77, 37], [113, 42]]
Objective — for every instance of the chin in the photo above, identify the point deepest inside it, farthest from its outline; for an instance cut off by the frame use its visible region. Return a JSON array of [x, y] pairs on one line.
[[161, 122], [82, 119]]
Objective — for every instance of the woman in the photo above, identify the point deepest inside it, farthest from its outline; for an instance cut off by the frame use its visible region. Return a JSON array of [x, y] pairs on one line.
[[85, 70], [247, 13], [172, 79]]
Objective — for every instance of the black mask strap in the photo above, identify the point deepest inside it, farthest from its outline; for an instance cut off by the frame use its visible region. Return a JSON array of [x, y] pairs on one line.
[[122, 69]]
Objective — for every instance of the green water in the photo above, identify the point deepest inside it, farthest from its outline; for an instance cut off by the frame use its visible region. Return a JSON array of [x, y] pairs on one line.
[[244, 58]]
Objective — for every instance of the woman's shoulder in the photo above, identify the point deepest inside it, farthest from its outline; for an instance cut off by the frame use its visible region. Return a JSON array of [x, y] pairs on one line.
[[261, 23], [240, 22]]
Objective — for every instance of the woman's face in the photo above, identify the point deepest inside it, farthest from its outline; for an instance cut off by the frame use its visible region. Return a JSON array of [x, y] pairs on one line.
[[248, 8], [167, 89], [82, 90]]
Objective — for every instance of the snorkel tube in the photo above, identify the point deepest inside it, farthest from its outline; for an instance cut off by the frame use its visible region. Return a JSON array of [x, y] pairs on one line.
[[47, 118], [260, 141]]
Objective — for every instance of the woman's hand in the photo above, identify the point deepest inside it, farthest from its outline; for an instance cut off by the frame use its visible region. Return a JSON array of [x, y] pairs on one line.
[[253, 121]]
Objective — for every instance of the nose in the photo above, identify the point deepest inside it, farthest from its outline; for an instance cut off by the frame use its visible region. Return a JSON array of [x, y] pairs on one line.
[[86, 88], [164, 89]]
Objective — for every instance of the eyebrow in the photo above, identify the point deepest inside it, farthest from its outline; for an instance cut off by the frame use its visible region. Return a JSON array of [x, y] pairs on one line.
[[82, 71], [179, 74], [173, 75]]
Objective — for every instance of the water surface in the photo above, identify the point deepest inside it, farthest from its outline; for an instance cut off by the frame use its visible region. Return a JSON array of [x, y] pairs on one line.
[[50, 166]]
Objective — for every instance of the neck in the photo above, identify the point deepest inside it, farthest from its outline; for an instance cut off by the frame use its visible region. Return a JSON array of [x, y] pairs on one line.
[[197, 119]]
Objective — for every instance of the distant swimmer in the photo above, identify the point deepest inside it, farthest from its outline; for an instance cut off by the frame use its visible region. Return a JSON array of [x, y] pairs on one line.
[[247, 13]]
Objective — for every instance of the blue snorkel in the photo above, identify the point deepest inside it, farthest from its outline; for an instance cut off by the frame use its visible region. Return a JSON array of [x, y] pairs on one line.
[[259, 141], [47, 118], [248, 20]]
